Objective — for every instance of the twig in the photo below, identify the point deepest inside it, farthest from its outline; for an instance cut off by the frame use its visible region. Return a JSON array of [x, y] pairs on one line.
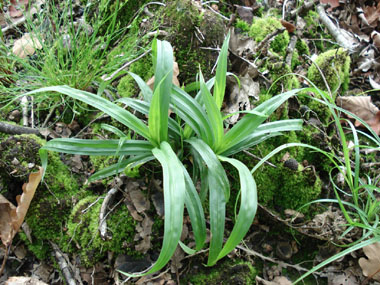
[[24, 105], [258, 158], [290, 50], [125, 66], [268, 37], [17, 130], [103, 116], [7, 249], [216, 12], [303, 9], [342, 39], [274, 260], [66, 271], [102, 214]]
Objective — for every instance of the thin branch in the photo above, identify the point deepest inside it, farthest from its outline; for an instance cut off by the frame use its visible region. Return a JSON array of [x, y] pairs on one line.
[[17, 130]]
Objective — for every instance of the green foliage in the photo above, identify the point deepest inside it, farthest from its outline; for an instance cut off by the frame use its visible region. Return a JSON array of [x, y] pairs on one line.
[[335, 67], [127, 86], [195, 129]]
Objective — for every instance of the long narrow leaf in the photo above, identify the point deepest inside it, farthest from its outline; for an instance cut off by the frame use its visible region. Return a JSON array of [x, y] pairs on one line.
[[116, 112], [120, 167], [159, 114], [145, 89], [174, 198], [248, 206], [263, 132], [195, 210], [97, 147], [220, 76], [143, 108], [189, 110], [219, 195], [251, 121], [159, 108], [214, 115]]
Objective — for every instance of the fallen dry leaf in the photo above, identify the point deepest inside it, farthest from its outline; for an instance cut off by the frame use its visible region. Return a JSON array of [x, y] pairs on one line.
[[17, 8], [26, 45], [16, 280], [150, 82], [362, 107], [371, 264], [12, 217], [333, 3]]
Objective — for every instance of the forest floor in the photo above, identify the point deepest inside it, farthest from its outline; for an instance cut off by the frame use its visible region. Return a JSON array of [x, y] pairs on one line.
[[75, 232]]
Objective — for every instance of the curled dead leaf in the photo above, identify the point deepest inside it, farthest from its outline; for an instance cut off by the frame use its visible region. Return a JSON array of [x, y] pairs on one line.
[[26, 45], [150, 82], [371, 264], [17, 8], [11, 217]]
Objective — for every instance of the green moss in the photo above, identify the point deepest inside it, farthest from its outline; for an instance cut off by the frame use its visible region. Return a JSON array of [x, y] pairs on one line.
[[288, 82], [51, 204], [242, 25], [83, 228], [144, 68], [227, 272], [185, 20], [335, 66], [261, 27], [280, 43], [302, 47]]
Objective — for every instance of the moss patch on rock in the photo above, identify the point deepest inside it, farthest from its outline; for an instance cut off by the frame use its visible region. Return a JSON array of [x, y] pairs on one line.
[[83, 229], [226, 272], [52, 202], [335, 66]]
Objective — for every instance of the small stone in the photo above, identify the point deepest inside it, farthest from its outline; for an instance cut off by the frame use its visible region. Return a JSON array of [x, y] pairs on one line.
[[15, 116], [284, 250], [15, 161], [292, 164], [31, 165]]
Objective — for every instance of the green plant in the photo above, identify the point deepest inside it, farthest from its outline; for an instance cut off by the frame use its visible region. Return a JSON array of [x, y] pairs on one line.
[[362, 210], [196, 132], [72, 53]]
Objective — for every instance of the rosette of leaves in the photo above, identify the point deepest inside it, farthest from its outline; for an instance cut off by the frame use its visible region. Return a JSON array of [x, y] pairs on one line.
[[194, 128]]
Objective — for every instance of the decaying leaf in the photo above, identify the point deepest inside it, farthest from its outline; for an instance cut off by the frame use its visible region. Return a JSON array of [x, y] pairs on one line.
[[26, 45], [241, 45], [19, 280], [371, 264], [17, 8], [150, 82], [362, 107], [12, 217]]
